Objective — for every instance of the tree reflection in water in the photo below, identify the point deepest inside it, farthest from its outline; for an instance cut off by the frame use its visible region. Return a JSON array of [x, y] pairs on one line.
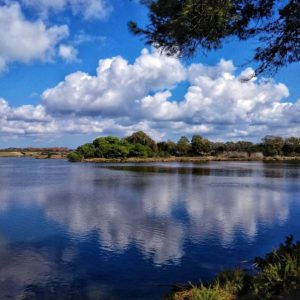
[[159, 210]]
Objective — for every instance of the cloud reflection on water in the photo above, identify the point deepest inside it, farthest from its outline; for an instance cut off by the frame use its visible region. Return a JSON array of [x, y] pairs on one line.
[[133, 207], [157, 209]]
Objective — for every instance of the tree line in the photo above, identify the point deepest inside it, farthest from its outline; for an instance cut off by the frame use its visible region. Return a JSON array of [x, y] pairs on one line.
[[141, 145]]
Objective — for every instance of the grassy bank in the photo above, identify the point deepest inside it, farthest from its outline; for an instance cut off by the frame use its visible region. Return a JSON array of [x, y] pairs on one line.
[[275, 276], [193, 159], [188, 159], [11, 154], [37, 155]]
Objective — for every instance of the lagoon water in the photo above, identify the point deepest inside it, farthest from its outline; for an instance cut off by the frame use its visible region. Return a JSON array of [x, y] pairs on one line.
[[130, 231]]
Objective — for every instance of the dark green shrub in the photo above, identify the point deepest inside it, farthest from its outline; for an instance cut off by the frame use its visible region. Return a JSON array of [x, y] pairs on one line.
[[278, 271], [87, 150], [139, 150], [277, 277], [142, 138], [75, 157], [235, 281]]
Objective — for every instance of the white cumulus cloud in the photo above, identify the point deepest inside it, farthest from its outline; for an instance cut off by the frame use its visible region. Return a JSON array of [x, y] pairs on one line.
[[23, 40], [124, 97], [88, 9], [116, 88], [68, 53]]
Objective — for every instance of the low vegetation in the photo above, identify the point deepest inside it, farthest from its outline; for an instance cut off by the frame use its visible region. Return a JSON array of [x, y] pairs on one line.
[[10, 154], [204, 293], [275, 276], [39, 153], [75, 157], [140, 145]]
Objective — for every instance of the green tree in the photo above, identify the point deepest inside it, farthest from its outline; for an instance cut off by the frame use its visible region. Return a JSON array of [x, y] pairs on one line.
[[244, 146], [171, 147], [291, 146], [75, 157], [183, 146], [142, 138], [111, 147], [167, 148], [183, 26], [87, 150], [138, 150], [218, 148], [162, 149], [200, 146], [272, 145]]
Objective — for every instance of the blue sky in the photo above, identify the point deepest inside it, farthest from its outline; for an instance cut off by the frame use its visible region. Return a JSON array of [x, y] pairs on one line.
[[46, 41]]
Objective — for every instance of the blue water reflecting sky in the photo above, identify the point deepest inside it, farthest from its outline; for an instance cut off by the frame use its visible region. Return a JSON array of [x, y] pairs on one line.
[[87, 231]]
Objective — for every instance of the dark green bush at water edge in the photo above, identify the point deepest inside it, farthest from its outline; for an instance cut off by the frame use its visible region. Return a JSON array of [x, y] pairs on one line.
[[75, 157], [276, 276]]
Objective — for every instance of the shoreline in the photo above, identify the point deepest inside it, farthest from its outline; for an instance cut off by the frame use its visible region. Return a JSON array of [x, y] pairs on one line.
[[172, 159], [197, 159], [36, 155]]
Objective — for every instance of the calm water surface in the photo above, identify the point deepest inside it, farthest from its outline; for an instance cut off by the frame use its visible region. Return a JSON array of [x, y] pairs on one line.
[[126, 231]]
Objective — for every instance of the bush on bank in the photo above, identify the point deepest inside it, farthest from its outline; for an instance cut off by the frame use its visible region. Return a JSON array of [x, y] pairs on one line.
[[75, 157], [276, 276]]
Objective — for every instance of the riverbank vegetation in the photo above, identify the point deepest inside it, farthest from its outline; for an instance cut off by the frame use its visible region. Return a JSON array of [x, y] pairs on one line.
[[276, 276], [141, 146], [39, 153]]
